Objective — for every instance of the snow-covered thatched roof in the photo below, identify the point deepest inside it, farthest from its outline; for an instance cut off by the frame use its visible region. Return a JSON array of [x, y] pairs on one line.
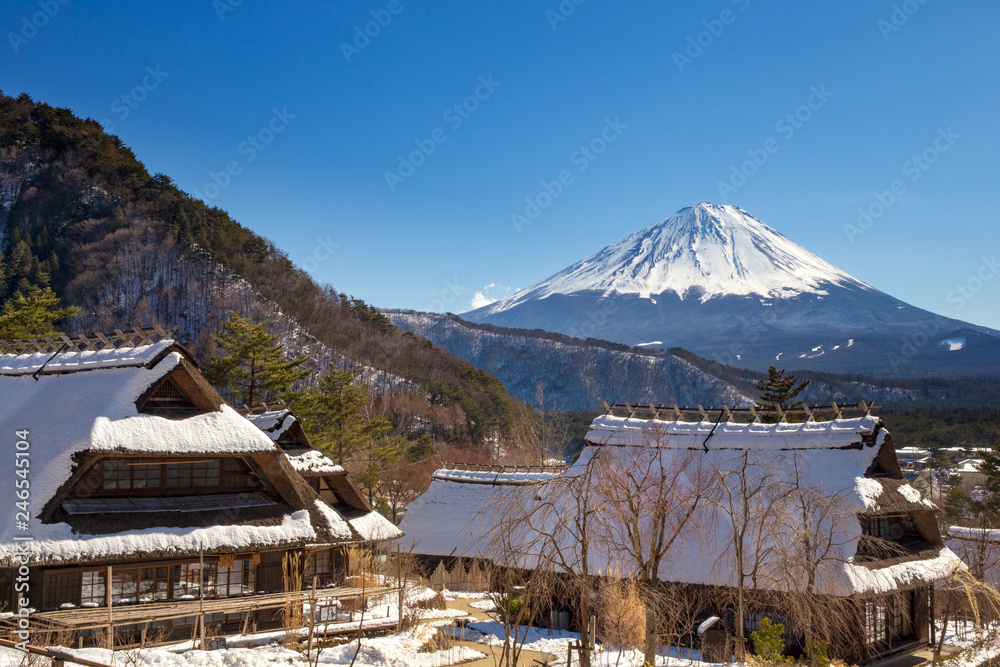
[[274, 423], [284, 428], [450, 518], [74, 405], [848, 462], [612, 430]]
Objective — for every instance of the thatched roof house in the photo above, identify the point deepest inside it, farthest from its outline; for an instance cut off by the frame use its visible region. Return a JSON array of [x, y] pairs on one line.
[[882, 547], [139, 486], [325, 477]]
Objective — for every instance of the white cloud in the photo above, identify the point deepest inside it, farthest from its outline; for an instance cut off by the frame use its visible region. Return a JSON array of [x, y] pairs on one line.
[[490, 294]]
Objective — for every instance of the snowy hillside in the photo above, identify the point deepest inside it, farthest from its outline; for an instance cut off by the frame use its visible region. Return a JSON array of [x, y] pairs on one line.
[[578, 374], [575, 376]]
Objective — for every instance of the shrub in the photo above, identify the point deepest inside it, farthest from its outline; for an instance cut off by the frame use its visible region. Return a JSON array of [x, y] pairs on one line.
[[510, 607], [818, 656], [768, 643]]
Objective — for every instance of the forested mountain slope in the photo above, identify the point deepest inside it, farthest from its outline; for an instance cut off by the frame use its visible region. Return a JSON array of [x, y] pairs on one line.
[[79, 212], [578, 374]]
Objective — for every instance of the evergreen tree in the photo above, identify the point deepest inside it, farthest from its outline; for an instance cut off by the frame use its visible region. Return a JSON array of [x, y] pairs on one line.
[[332, 415], [254, 367], [986, 506], [778, 390], [32, 314], [383, 452]]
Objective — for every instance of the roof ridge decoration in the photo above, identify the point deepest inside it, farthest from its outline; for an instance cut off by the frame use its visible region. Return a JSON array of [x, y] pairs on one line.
[[497, 468], [118, 340], [751, 414]]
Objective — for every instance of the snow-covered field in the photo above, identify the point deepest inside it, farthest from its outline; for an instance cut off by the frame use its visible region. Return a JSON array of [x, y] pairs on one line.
[[416, 647]]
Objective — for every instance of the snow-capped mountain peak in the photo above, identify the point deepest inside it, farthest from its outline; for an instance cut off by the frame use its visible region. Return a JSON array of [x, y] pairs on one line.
[[700, 252]]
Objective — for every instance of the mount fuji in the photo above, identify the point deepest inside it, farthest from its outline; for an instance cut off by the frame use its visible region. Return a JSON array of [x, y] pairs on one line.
[[717, 281]]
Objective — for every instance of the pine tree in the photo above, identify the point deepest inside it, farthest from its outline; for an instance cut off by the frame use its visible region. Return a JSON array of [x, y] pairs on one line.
[[778, 390], [332, 415], [32, 313], [986, 505], [254, 367]]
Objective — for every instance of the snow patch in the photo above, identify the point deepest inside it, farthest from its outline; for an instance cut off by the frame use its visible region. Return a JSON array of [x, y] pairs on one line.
[[314, 462], [952, 344], [869, 490]]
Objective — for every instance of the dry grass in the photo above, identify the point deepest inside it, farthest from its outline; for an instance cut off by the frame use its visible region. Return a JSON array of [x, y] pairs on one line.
[[621, 614], [291, 613]]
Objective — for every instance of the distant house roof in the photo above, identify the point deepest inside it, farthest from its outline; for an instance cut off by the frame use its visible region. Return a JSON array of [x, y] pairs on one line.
[[451, 517], [969, 466], [850, 460], [76, 405]]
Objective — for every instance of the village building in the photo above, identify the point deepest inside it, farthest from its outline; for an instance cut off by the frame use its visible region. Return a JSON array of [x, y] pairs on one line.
[[979, 549], [331, 482], [149, 505], [883, 549]]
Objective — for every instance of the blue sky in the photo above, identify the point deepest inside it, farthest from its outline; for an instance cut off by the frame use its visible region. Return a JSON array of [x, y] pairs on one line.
[[310, 127]]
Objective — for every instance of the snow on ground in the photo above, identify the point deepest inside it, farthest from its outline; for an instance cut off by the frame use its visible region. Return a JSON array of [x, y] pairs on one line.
[[538, 639], [483, 605], [556, 642], [396, 650], [454, 595]]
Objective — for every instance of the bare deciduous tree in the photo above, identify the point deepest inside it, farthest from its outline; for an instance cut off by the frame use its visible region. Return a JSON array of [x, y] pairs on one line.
[[649, 496]]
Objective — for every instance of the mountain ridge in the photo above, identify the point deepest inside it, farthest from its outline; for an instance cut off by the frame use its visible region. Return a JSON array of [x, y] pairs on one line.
[[578, 374], [715, 280]]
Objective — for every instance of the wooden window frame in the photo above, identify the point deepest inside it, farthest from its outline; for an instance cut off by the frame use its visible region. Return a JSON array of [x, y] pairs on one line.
[[224, 478]]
